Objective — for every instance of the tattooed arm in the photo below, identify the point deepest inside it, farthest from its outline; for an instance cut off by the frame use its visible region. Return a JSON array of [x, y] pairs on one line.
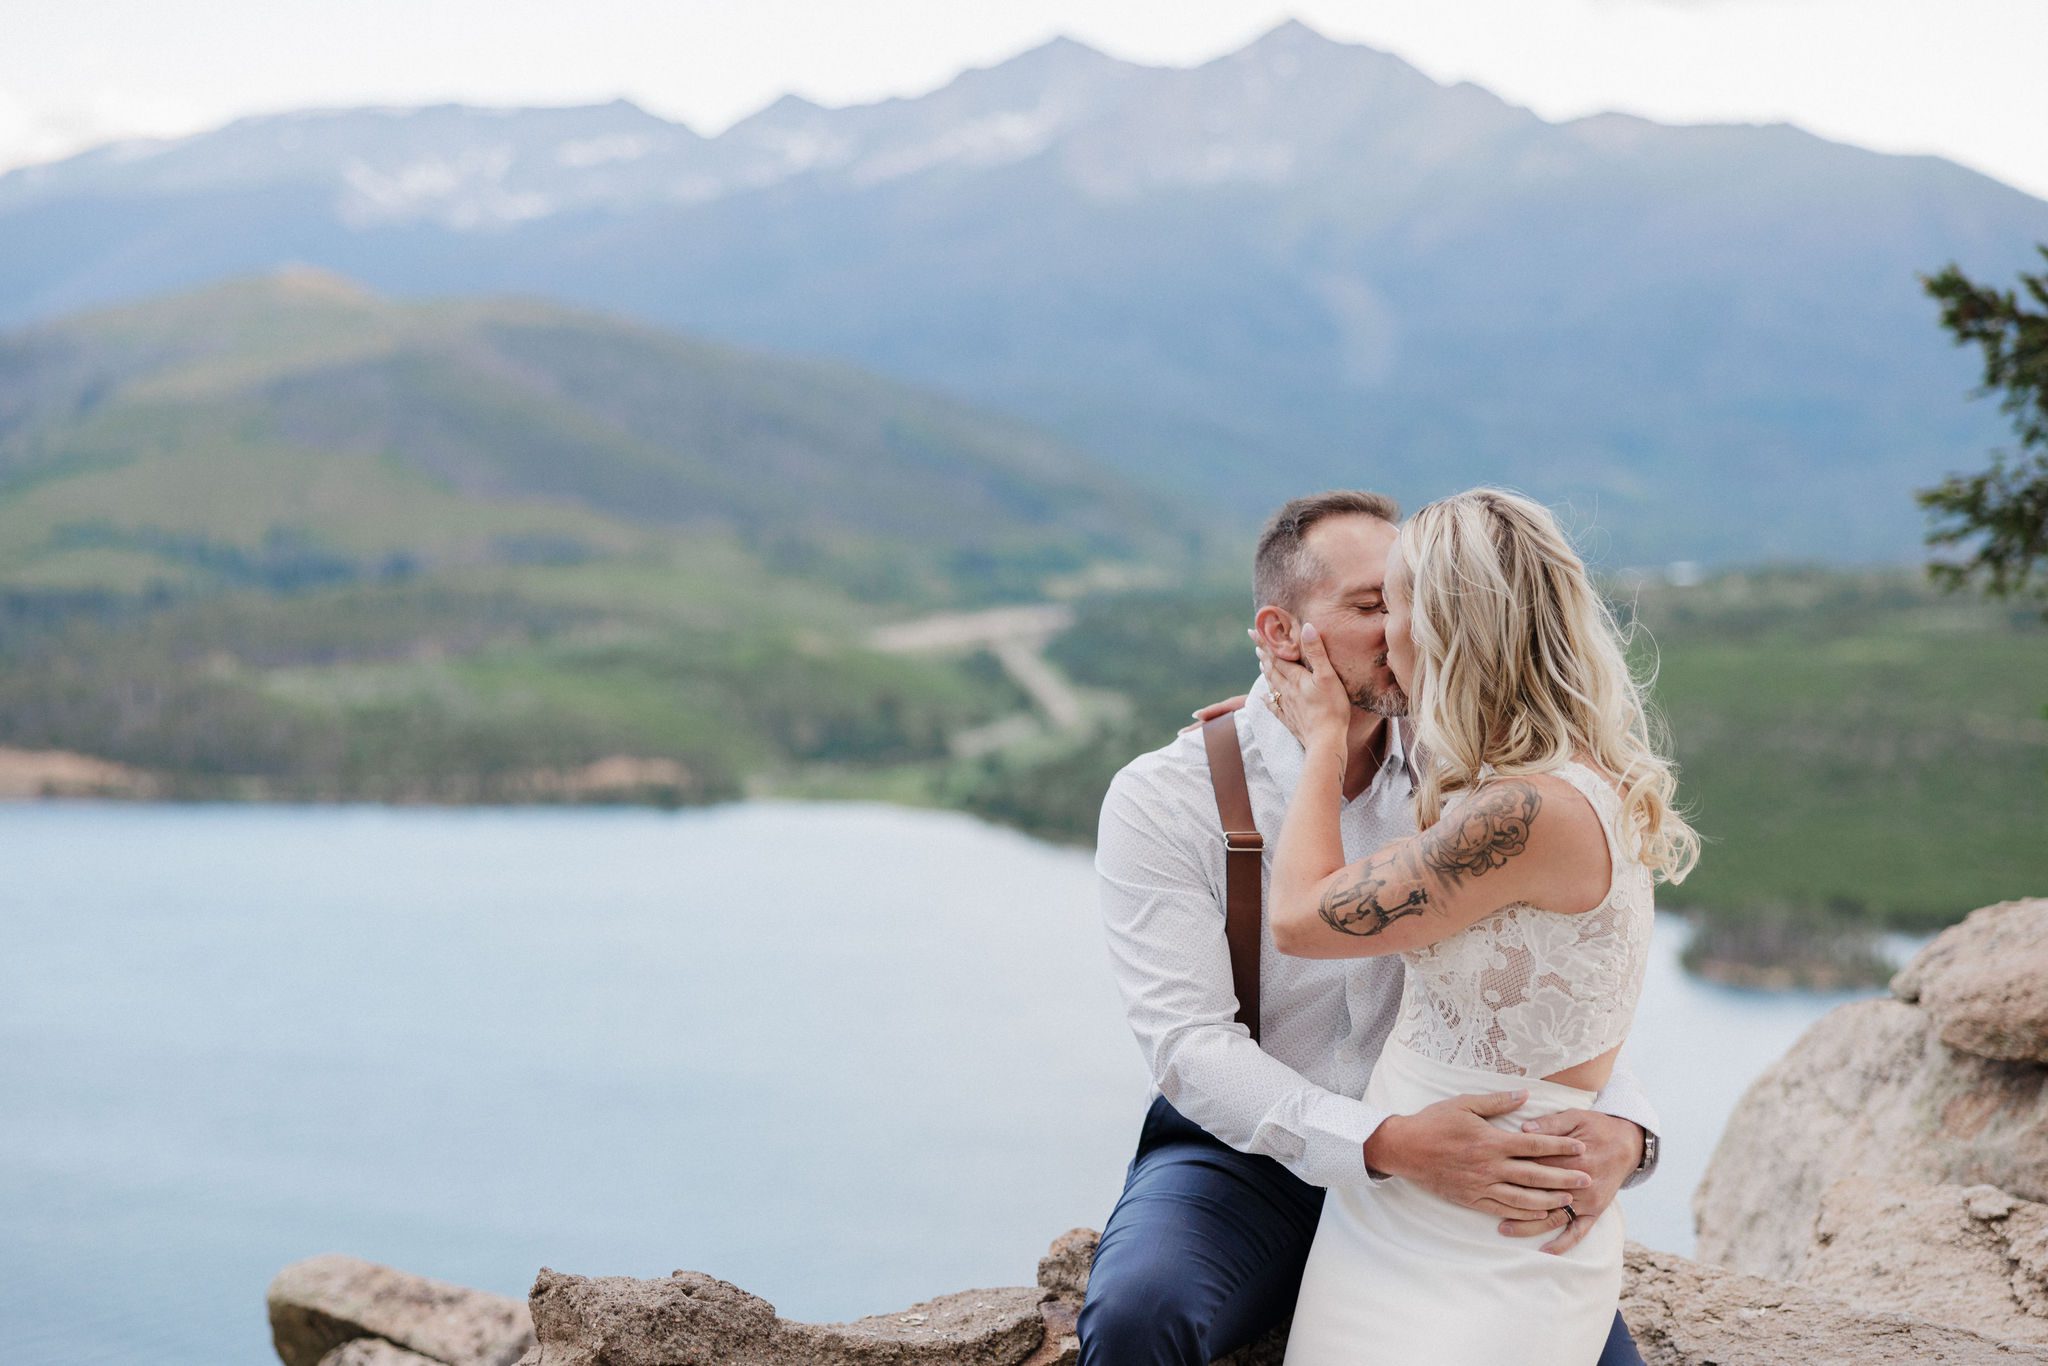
[[1473, 862], [1500, 845]]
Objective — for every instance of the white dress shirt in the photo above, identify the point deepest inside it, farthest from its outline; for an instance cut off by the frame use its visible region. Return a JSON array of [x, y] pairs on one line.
[[1295, 1094]]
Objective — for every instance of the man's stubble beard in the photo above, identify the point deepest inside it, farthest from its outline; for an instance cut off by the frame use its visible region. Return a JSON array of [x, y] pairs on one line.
[[1387, 701]]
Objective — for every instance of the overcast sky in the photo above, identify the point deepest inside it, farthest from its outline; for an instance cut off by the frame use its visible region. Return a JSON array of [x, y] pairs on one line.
[[1963, 78]]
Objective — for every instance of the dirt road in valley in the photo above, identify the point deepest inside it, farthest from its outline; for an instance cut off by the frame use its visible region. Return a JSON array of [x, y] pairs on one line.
[[1017, 636]]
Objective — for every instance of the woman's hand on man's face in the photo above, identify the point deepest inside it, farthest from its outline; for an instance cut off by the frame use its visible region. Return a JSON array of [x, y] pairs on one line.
[[1308, 696]]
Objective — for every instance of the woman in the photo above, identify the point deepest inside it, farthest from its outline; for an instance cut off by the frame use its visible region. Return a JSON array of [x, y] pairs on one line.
[[1522, 913]]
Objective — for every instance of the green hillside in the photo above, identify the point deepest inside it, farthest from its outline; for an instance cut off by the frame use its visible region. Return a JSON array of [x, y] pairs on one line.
[[1855, 748], [290, 429], [284, 538]]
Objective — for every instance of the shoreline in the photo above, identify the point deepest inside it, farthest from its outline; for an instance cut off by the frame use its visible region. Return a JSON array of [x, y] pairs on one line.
[[1815, 958]]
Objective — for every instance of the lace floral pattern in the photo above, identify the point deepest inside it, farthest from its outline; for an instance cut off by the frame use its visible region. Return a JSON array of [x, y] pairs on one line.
[[1531, 992]]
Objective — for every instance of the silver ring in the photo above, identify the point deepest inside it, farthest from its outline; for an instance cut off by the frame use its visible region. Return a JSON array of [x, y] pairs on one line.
[[1571, 1216]]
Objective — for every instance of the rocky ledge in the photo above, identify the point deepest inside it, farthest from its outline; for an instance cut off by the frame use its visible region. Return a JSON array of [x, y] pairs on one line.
[[1880, 1197], [334, 1311], [1897, 1157]]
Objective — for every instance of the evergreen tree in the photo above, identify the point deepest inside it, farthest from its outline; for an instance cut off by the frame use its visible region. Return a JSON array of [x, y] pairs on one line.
[[2003, 511]]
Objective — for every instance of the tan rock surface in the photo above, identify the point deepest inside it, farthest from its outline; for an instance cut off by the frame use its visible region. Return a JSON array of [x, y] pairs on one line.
[[1870, 1090], [693, 1318], [374, 1352], [1973, 1256], [1985, 982], [1684, 1313], [325, 1302], [1063, 1270]]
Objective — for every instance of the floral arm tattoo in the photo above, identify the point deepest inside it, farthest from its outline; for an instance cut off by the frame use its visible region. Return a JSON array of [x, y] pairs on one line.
[[1486, 832], [1491, 829]]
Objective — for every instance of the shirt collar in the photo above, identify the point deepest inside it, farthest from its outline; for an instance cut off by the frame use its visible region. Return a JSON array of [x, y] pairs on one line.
[[1284, 756]]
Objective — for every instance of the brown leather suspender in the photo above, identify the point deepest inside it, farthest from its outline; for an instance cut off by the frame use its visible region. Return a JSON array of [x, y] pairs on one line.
[[1242, 862]]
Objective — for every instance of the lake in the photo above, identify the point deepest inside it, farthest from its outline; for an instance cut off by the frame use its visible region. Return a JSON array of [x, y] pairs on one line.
[[847, 1056]]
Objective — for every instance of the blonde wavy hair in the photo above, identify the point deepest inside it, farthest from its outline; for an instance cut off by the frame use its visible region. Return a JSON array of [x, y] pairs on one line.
[[1519, 664]]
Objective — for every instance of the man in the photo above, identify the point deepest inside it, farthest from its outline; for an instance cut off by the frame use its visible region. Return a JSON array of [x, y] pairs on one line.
[[1205, 1249]]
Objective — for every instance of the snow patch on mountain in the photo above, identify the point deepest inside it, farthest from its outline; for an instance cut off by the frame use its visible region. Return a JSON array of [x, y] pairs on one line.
[[584, 152], [991, 141], [466, 191]]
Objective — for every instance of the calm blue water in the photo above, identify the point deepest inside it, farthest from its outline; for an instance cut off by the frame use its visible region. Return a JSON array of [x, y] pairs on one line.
[[846, 1056]]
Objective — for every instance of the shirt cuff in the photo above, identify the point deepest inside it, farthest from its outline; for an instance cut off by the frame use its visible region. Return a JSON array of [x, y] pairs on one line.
[[1335, 1153]]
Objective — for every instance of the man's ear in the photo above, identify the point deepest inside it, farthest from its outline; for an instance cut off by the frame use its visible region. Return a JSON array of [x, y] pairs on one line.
[[1277, 630]]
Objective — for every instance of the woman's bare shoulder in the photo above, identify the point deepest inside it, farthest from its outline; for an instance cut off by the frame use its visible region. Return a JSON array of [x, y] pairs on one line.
[[1544, 822]]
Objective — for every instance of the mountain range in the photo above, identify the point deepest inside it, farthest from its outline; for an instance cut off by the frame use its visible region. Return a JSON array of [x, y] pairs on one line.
[[1302, 264]]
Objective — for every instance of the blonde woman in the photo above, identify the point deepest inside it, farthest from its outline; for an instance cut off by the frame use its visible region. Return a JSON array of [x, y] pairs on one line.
[[1521, 912]]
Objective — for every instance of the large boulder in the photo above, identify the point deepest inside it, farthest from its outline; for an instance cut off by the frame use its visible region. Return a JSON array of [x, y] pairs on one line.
[[328, 1302], [1985, 982], [1874, 1091], [1685, 1313], [1970, 1255]]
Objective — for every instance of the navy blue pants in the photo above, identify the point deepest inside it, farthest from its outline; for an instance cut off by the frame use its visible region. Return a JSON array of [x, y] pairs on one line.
[[1204, 1252]]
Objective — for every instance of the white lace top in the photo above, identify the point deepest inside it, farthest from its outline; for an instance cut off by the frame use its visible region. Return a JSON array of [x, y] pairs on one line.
[[1531, 992]]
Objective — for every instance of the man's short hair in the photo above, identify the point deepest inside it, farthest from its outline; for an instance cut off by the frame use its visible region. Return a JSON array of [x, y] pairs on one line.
[[1285, 569]]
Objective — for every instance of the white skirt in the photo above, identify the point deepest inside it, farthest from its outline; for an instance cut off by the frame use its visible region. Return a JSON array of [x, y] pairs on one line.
[[1399, 1277]]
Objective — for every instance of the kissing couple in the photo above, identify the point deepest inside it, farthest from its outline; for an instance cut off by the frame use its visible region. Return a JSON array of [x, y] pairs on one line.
[[1380, 927]]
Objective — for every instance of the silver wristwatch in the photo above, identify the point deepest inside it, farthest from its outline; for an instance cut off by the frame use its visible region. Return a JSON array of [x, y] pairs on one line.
[[1649, 1153]]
